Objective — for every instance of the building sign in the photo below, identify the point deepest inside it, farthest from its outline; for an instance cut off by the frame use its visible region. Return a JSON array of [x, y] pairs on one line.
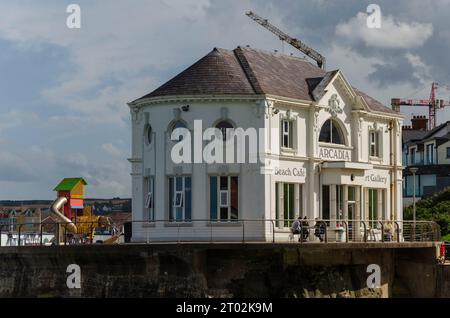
[[290, 172], [334, 154], [376, 178]]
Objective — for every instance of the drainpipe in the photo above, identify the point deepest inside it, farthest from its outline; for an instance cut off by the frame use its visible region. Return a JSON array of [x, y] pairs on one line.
[[392, 163], [393, 155]]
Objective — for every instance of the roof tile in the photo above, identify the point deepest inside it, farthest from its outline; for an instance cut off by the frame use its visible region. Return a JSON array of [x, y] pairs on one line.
[[246, 71]]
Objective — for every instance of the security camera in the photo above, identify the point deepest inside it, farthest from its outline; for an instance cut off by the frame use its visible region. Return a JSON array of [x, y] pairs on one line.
[[185, 108]]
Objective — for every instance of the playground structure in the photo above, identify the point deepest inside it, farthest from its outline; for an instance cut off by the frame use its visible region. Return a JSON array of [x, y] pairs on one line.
[[77, 223]]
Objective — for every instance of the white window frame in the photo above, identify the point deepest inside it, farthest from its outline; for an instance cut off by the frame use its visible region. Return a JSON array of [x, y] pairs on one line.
[[228, 196], [225, 204], [430, 153], [178, 199], [299, 209], [149, 200], [375, 142], [149, 204], [289, 133]]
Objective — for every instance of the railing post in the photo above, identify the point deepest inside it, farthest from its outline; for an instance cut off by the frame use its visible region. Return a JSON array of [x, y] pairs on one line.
[[273, 231], [1, 229], [326, 231], [365, 232], [91, 233], [18, 242], [178, 232], [398, 231], [346, 231], [40, 230], [382, 231], [243, 231], [210, 231], [65, 235]]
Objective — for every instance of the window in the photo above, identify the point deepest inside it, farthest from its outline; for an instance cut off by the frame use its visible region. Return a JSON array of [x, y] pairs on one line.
[[413, 155], [286, 134], [288, 203], [223, 126], [373, 207], [148, 132], [374, 144], [331, 133], [177, 124], [180, 209], [148, 204], [448, 152], [430, 154], [326, 202], [224, 198]]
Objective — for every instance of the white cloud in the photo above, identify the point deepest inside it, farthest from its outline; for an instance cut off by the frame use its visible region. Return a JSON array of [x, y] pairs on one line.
[[392, 34], [422, 72], [15, 118], [112, 150]]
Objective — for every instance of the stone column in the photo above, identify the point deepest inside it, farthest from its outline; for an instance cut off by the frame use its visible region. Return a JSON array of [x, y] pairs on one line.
[[297, 200], [380, 204], [357, 214], [280, 196], [344, 202]]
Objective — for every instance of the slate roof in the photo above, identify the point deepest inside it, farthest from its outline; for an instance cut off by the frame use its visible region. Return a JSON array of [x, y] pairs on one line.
[[246, 71], [412, 135]]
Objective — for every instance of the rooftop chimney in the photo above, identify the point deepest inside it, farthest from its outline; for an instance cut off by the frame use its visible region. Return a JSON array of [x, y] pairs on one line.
[[419, 123]]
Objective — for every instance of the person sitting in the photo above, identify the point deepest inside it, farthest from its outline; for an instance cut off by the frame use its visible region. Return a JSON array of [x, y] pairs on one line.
[[389, 231], [305, 229], [296, 228], [319, 229]]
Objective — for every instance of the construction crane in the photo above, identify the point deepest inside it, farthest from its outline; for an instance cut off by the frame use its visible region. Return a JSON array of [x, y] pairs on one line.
[[432, 103], [319, 58]]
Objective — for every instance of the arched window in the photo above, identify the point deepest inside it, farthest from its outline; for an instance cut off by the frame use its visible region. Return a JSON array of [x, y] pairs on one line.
[[175, 125], [148, 134], [223, 125], [331, 133]]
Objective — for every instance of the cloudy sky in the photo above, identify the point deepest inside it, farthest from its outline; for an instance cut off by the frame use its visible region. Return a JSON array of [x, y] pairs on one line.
[[63, 92]]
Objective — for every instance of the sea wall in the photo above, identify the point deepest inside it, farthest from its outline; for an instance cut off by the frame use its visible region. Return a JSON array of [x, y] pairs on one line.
[[221, 270]]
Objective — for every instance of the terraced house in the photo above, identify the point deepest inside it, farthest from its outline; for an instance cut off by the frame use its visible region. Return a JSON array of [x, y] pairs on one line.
[[330, 151], [429, 152]]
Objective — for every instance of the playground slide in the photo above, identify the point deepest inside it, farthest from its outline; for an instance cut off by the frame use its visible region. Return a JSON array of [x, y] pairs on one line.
[[55, 207]]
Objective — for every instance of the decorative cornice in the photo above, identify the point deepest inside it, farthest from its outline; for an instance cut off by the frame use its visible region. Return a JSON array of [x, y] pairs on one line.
[[193, 98], [373, 114]]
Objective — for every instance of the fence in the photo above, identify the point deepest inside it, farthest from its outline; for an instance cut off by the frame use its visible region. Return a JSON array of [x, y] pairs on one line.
[[241, 230]]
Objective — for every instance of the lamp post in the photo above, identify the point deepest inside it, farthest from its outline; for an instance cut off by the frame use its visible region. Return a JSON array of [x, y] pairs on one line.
[[413, 171]]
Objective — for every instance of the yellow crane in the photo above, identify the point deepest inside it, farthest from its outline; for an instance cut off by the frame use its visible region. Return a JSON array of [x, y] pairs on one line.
[[299, 45]]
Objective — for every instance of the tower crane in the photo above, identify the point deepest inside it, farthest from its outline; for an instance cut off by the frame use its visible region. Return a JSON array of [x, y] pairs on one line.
[[299, 45], [432, 103]]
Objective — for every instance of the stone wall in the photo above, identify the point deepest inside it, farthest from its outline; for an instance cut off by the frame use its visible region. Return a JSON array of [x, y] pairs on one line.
[[219, 270]]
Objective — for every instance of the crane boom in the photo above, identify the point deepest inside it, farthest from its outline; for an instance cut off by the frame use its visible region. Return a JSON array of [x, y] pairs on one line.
[[431, 103], [316, 56]]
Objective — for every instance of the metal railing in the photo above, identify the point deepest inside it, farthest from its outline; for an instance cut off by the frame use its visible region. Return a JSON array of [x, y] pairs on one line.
[[240, 230]]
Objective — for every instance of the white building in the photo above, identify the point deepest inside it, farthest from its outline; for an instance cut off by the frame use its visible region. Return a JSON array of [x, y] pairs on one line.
[[339, 151]]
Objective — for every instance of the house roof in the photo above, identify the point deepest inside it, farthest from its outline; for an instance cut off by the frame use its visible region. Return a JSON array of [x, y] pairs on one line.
[[245, 71], [67, 184], [421, 136], [411, 135]]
